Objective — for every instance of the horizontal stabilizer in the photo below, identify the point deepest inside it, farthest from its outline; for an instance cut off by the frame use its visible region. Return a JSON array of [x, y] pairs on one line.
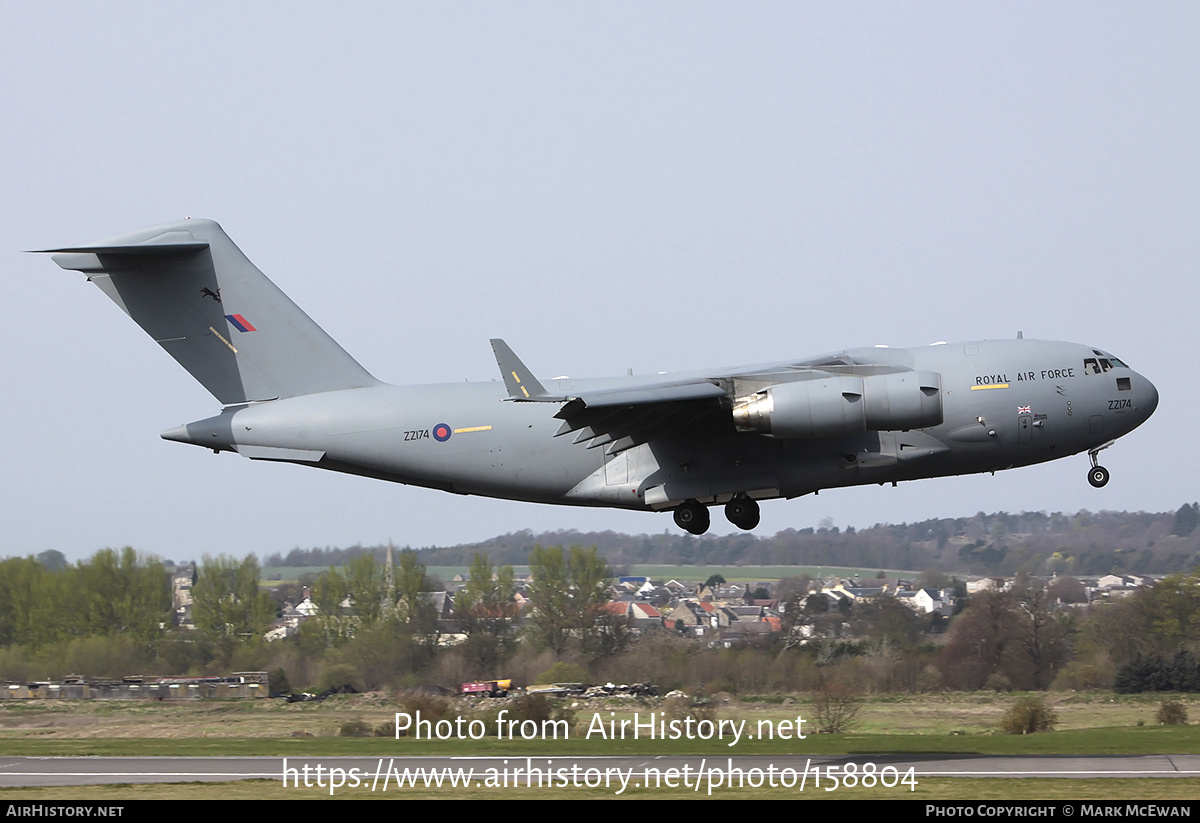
[[147, 250]]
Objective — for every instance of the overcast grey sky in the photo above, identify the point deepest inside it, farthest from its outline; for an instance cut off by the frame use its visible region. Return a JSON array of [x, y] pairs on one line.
[[654, 186]]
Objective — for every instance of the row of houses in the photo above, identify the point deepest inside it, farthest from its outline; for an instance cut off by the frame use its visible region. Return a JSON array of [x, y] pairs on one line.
[[724, 613]]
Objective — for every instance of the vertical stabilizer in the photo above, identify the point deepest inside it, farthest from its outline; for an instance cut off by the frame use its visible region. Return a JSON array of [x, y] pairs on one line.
[[210, 308]]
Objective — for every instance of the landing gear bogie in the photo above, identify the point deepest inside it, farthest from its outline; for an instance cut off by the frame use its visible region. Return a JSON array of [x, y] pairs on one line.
[[692, 517], [742, 512]]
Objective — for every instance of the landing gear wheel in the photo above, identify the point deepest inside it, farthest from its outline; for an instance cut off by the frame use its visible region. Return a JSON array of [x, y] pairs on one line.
[[742, 512], [692, 517]]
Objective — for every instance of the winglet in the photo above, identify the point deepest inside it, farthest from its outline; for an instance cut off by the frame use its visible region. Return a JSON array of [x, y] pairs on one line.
[[518, 379]]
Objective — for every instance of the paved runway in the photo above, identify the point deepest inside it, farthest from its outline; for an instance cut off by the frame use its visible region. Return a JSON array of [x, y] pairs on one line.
[[78, 771]]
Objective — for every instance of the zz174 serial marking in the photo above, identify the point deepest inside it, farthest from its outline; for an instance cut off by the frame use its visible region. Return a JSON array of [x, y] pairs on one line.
[[1119, 405], [416, 434]]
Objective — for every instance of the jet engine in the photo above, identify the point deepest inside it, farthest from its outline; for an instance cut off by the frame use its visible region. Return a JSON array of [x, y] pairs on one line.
[[841, 405]]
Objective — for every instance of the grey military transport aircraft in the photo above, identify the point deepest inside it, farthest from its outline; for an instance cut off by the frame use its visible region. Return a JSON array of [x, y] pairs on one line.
[[678, 442]]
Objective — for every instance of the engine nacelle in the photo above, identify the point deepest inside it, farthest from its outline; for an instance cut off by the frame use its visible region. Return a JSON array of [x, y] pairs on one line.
[[843, 405]]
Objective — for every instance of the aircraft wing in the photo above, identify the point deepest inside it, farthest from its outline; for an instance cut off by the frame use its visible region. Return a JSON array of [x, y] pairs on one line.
[[621, 417]]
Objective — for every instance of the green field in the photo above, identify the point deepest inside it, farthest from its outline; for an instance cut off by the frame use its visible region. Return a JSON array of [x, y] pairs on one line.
[[934, 788]]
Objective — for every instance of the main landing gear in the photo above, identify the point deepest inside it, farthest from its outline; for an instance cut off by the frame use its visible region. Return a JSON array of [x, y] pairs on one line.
[[1098, 475], [692, 516], [742, 512]]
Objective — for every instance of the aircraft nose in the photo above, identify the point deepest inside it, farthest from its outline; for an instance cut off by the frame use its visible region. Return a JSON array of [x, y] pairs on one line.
[[1147, 398]]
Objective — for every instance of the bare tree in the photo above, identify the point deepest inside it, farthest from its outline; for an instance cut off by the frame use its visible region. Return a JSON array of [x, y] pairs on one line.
[[836, 709]]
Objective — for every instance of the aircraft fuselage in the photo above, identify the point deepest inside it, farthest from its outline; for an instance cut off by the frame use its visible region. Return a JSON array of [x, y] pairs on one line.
[[1006, 403]]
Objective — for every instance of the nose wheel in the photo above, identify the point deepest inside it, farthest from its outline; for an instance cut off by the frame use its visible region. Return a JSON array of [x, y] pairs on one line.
[[1098, 475], [692, 517], [742, 512]]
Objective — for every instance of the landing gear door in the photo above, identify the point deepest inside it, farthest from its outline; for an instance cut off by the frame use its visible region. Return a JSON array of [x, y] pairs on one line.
[[616, 470]]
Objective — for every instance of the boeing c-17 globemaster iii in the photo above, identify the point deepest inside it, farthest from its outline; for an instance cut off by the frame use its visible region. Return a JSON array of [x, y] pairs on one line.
[[671, 442]]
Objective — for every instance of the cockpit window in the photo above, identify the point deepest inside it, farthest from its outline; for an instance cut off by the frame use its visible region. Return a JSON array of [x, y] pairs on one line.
[[1101, 364]]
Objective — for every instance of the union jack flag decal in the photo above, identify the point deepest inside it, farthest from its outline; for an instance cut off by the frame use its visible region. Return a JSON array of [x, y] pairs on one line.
[[1023, 409]]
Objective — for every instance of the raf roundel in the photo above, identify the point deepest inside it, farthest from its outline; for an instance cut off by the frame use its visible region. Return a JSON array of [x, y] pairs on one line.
[[442, 432]]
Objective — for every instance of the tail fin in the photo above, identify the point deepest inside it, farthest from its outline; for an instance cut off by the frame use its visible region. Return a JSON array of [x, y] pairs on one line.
[[210, 308]]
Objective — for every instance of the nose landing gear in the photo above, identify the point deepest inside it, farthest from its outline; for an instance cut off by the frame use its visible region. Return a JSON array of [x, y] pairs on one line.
[[1098, 475]]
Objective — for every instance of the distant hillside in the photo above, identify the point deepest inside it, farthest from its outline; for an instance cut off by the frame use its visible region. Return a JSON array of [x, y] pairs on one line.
[[1085, 543]]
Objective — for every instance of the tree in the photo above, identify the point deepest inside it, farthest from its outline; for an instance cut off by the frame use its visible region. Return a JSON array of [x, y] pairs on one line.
[[29, 613], [567, 593], [1157, 674], [1174, 608], [1186, 519], [1040, 636], [886, 622], [368, 590], [1013, 636], [792, 593], [1171, 713], [227, 602], [112, 593], [329, 592], [835, 708], [485, 609], [933, 579], [608, 635], [979, 640], [412, 582], [362, 598], [122, 594], [1029, 715], [352, 597]]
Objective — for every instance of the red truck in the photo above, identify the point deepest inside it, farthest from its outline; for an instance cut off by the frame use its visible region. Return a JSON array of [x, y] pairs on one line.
[[492, 688]]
